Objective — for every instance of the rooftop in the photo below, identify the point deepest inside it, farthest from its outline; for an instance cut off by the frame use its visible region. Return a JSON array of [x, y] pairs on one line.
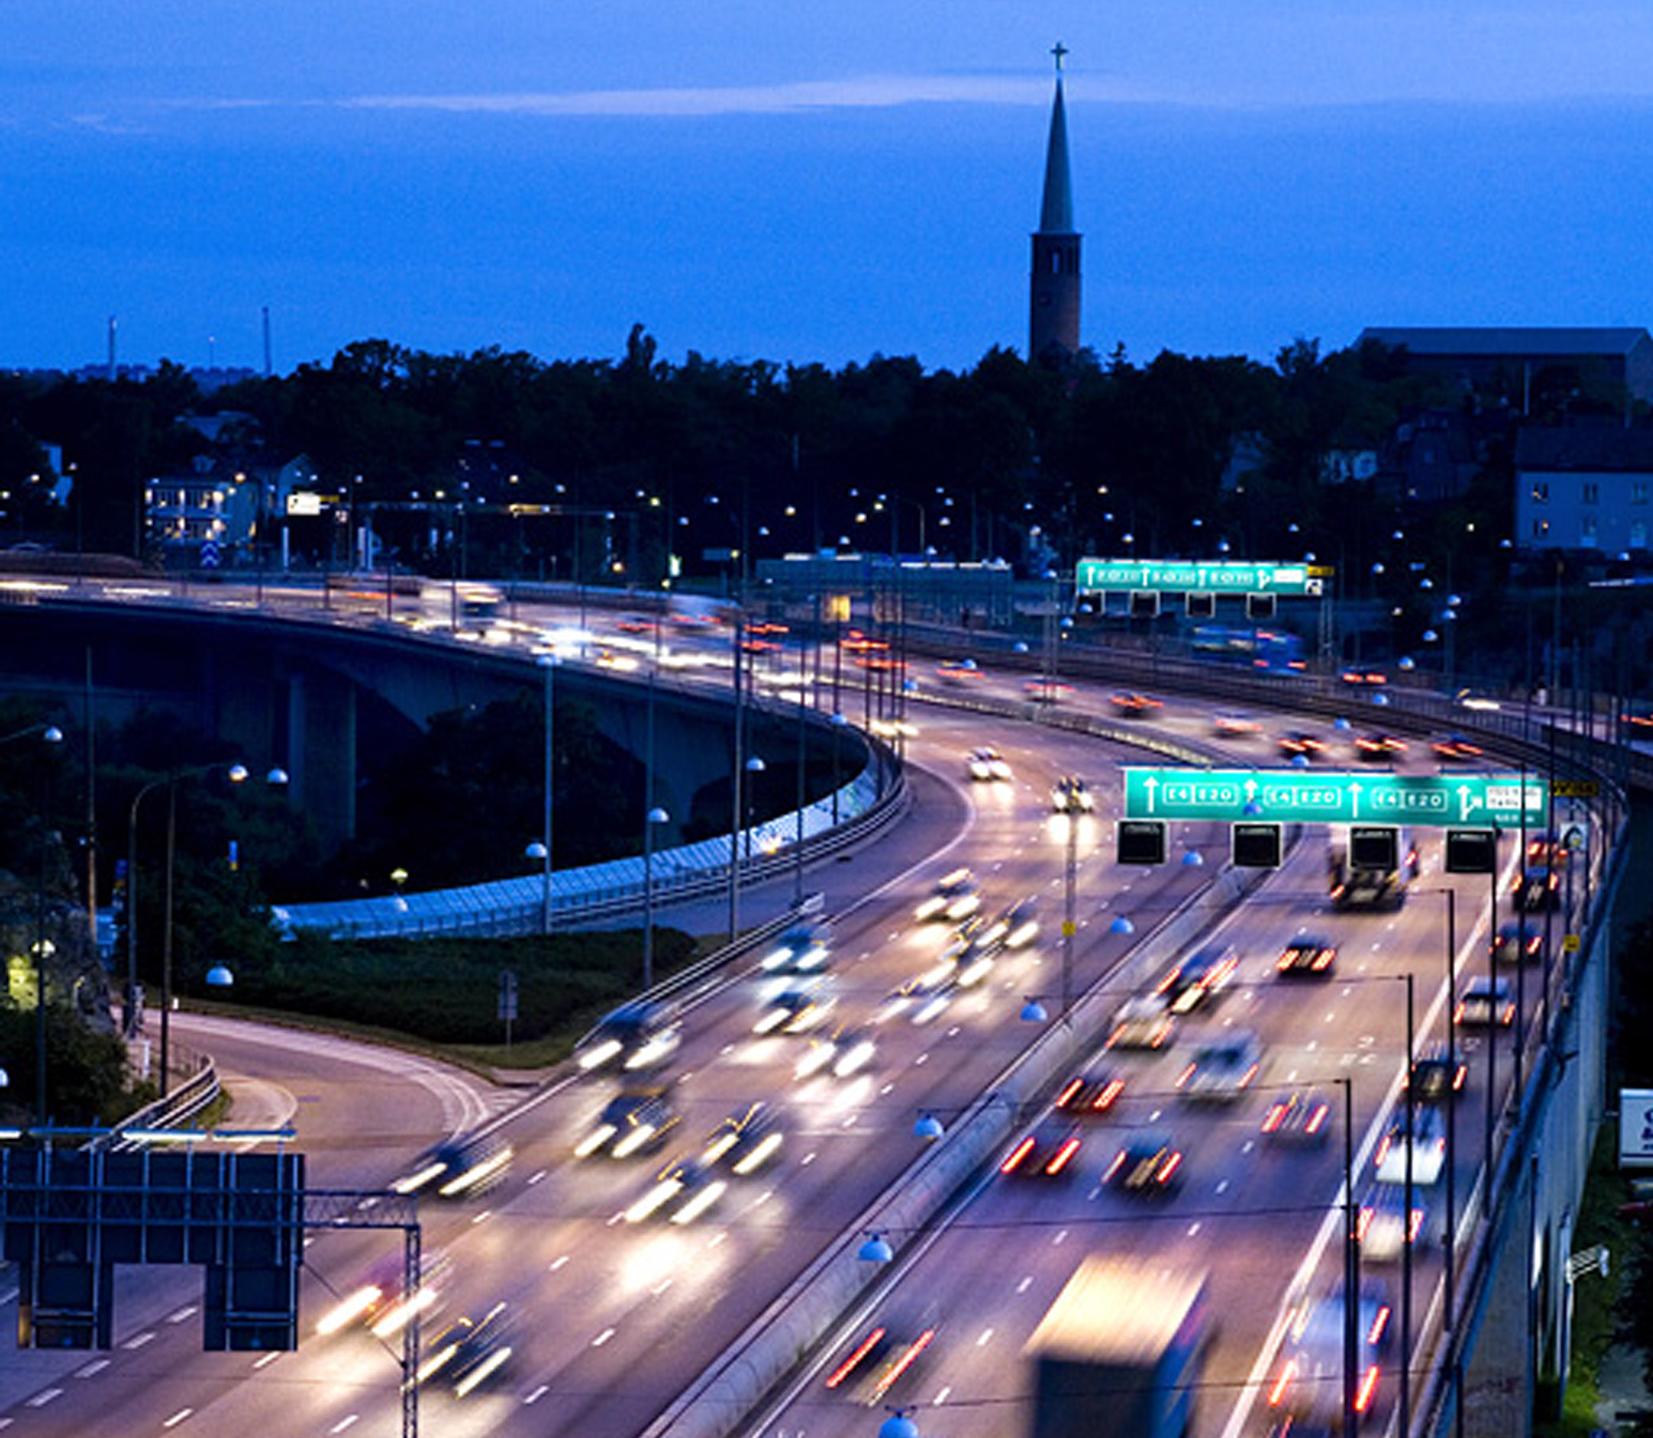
[[1516, 340], [1587, 448]]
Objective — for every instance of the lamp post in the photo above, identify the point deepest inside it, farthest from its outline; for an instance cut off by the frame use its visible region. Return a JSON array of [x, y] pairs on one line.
[[1071, 810], [1351, 1262], [839, 724], [1451, 1097], [737, 809], [653, 817], [741, 844], [1406, 1246], [51, 737], [548, 667], [798, 812]]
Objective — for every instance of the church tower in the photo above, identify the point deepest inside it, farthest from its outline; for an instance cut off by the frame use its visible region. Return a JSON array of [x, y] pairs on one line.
[[1053, 332]]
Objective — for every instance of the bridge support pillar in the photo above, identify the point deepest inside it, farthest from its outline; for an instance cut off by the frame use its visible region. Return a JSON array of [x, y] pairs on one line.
[[321, 751]]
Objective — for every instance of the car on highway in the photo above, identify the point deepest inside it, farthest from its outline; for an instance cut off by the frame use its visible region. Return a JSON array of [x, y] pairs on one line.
[[1071, 795], [1428, 1147], [1129, 704], [638, 1121], [1047, 691], [886, 1351], [746, 1140], [1363, 678], [1221, 1069], [1379, 748], [927, 994], [1047, 1152], [1229, 725], [1537, 888], [1142, 1022], [1299, 743], [1147, 1163], [634, 1036], [1197, 979], [1519, 943], [1307, 956], [1090, 1094], [1456, 749], [683, 1191], [804, 948], [458, 1167], [1437, 1076], [986, 764], [1020, 922], [467, 1352], [1547, 851], [379, 1303], [1300, 1116], [955, 897], [958, 671], [1485, 1003], [839, 1055], [1305, 1395], [1382, 1228], [801, 1004]]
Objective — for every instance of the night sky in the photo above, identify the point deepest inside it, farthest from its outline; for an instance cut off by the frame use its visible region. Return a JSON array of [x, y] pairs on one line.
[[776, 180]]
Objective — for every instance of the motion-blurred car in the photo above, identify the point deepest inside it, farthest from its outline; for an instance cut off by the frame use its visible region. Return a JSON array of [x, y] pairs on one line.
[[1306, 1393], [1428, 1148], [634, 1036], [1221, 1069], [884, 1354], [1295, 742], [1302, 1116], [1143, 1022], [1147, 1163], [682, 1191], [1379, 748], [746, 1140], [1382, 1227], [1456, 749], [837, 1055], [1200, 977], [1070, 795], [1090, 1094], [1537, 888], [955, 897], [1129, 704], [987, 764], [630, 1123], [468, 1352], [1436, 1076], [1047, 1152], [1047, 691], [1364, 678], [459, 1167], [803, 949], [958, 671], [1235, 726], [1486, 1003], [1307, 956], [1519, 943], [801, 1004], [379, 1302], [1547, 851]]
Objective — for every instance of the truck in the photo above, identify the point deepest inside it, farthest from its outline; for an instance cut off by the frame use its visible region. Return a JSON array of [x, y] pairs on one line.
[[1368, 866], [1120, 1352]]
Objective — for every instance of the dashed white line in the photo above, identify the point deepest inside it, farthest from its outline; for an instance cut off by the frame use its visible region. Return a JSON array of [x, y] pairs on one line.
[[92, 1369], [482, 1217], [538, 1393], [182, 1314], [941, 1397], [41, 1399], [1061, 1235], [889, 1087], [1025, 1284], [985, 1338], [557, 1263], [921, 1059], [1193, 1228], [806, 1160], [350, 1420], [1248, 1145], [266, 1360], [1222, 1187], [602, 1338], [177, 1418], [661, 1287], [534, 1178], [133, 1344]]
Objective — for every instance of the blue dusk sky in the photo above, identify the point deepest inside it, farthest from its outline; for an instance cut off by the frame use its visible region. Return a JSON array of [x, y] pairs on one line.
[[773, 179]]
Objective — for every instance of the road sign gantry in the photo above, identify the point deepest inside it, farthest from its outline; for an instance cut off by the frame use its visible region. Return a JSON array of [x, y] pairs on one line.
[[1197, 576], [1296, 797]]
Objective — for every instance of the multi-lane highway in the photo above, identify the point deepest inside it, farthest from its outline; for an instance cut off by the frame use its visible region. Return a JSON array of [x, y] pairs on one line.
[[613, 1318]]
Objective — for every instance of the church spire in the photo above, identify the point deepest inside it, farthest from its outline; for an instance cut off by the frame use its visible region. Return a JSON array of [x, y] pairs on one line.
[[1056, 213], [1053, 330]]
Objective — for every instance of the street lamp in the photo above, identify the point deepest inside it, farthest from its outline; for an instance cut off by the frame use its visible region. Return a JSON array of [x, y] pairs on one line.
[[51, 736], [220, 977], [839, 724], [653, 817], [548, 667]]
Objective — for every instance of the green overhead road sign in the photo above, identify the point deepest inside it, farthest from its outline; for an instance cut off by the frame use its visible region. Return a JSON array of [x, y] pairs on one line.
[[1197, 576], [1294, 796]]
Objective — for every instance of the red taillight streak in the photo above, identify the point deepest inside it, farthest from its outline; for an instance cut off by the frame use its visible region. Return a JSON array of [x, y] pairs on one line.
[[1185, 1075], [1365, 1222], [1274, 1118], [1383, 1150], [1108, 1095], [1066, 1096], [1169, 1167], [1250, 1074], [1368, 1386], [903, 1363], [1323, 959], [1317, 1118], [1415, 1225], [1459, 1078], [1283, 1382], [1062, 1157], [1016, 1155], [1379, 1323], [844, 1369]]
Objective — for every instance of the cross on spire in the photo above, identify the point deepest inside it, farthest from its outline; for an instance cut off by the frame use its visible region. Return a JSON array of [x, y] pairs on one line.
[[1060, 51]]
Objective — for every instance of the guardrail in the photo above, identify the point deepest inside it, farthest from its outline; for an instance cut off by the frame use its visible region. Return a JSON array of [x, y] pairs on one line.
[[196, 1093]]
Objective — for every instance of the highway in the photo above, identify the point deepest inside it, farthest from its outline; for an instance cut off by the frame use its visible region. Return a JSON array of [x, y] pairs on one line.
[[614, 1318]]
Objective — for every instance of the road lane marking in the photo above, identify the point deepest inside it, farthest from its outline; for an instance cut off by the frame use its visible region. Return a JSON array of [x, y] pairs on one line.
[[92, 1369], [177, 1418], [133, 1344], [1223, 1186], [534, 1178], [1193, 1228], [266, 1361], [807, 1159], [941, 1397], [538, 1393], [40, 1400], [1061, 1235], [661, 1287], [182, 1314], [602, 1338], [986, 1336], [557, 1263], [1025, 1284], [482, 1217], [350, 1420]]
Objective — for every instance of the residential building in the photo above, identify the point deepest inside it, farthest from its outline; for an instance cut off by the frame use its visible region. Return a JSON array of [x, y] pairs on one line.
[[1584, 488]]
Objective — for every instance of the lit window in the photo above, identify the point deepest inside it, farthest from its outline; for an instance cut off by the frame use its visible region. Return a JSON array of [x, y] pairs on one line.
[[1541, 493]]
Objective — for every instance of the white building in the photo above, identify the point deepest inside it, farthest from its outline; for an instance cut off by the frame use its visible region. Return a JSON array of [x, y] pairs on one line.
[[1584, 489]]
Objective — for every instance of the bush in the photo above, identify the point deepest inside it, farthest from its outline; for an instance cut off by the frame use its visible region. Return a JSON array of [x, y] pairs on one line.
[[85, 1070]]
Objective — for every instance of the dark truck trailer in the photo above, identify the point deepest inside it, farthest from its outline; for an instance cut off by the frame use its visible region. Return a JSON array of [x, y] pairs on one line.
[[1119, 1353]]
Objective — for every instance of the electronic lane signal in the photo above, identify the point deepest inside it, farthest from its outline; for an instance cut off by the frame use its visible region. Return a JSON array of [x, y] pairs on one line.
[[1141, 841], [1471, 851], [1257, 846]]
